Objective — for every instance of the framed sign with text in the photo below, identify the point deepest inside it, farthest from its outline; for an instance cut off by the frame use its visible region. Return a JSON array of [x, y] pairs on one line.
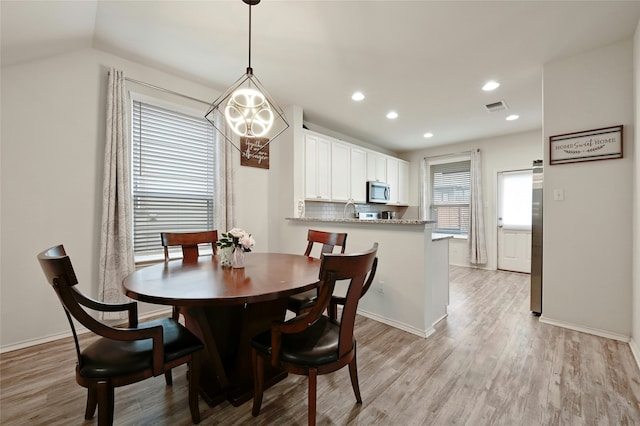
[[254, 152], [589, 145]]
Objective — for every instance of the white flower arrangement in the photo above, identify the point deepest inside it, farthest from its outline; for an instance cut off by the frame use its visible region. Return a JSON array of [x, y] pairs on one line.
[[236, 238]]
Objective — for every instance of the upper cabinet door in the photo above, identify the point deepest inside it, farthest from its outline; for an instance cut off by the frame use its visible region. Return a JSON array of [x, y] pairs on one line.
[[341, 172], [358, 175], [317, 170], [376, 167], [392, 179], [403, 182], [310, 166]]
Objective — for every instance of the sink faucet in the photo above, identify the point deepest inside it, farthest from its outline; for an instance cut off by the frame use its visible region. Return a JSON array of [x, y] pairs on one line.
[[355, 208]]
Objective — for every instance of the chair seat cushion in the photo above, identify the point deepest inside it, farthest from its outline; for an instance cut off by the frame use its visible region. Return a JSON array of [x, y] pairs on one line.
[[316, 345], [106, 358], [301, 301]]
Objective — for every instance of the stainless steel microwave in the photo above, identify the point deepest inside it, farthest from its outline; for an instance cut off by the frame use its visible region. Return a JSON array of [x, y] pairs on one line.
[[378, 192]]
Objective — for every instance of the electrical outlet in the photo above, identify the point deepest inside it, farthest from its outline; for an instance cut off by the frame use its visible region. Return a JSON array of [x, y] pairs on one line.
[[380, 286]]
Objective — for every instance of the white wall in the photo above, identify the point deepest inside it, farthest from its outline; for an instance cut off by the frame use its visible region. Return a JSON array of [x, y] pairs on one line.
[[510, 152], [587, 237], [51, 175], [636, 199], [286, 181]]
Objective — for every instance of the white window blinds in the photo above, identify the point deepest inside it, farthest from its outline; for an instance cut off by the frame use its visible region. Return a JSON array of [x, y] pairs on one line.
[[450, 188], [173, 175]]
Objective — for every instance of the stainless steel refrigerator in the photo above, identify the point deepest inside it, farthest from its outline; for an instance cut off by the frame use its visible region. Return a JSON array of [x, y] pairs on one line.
[[536, 238]]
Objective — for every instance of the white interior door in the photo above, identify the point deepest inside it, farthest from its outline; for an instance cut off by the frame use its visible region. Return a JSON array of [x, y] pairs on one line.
[[514, 220]]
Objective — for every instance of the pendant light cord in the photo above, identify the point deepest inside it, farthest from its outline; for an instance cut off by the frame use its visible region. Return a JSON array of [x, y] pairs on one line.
[[250, 70]]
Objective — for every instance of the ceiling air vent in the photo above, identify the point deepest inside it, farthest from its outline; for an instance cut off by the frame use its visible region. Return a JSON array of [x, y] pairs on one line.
[[496, 106]]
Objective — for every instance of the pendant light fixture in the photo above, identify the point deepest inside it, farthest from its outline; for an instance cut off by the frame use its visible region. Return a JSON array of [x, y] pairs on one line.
[[248, 110]]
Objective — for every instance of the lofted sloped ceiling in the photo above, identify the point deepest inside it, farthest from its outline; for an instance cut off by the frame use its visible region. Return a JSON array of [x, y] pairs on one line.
[[427, 60]]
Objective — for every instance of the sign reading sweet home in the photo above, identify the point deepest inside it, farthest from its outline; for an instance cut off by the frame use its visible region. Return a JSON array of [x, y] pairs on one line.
[[597, 144], [254, 152]]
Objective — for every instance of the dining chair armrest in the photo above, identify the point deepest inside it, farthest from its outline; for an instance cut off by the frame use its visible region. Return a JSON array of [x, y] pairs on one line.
[[131, 307], [116, 333], [302, 322], [154, 333], [294, 325]]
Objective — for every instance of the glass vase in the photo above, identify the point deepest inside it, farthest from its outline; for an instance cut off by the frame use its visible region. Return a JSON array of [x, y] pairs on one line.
[[238, 258], [226, 256]]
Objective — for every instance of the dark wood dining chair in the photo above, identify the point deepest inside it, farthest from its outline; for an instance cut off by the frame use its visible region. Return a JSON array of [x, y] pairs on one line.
[[190, 243], [312, 344], [120, 356], [336, 300], [301, 302]]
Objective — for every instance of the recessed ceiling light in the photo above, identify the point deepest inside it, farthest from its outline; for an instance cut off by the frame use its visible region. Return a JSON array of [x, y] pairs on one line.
[[512, 117], [490, 85], [428, 135], [357, 96], [392, 115]]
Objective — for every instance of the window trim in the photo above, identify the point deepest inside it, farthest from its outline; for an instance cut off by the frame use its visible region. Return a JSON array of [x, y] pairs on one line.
[[427, 192], [158, 256]]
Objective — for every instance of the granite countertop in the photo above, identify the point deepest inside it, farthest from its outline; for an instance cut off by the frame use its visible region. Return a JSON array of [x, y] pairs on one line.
[[363, 221]]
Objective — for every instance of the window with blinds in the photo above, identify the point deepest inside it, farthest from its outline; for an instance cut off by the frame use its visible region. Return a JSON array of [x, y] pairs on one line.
[[450, 188], [173, 175]]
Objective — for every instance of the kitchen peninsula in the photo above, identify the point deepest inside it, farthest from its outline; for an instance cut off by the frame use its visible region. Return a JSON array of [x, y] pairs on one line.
[[411, 287]]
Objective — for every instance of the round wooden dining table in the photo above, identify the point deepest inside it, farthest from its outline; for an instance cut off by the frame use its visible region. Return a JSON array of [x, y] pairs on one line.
[[225, 307]]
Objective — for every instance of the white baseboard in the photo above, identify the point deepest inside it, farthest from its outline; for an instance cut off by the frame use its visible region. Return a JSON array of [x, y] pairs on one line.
[[38, 341], [634, 351], [440, 319], [79, 330], [398, 325], [588, 330]]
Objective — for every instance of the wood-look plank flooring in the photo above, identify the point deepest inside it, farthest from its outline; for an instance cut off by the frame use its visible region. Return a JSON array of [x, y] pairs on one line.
[[489, 363]]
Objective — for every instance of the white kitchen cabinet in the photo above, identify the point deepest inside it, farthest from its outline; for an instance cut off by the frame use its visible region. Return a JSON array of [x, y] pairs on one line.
[[348, 172], [392, 179], [317, 170], [403, 182], [376, 166], [398, 180], [358, 175], [337, 171], [340, 171]]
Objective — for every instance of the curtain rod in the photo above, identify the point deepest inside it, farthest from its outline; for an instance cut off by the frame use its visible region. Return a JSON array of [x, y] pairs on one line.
[[453, 154], [162, 89]]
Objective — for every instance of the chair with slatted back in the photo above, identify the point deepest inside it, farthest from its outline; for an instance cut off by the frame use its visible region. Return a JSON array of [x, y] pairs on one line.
[[301, 302], [190, 243], [120, 356], [312, 344]]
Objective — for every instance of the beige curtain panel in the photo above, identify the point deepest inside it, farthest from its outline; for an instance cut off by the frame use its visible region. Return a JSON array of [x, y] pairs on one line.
[[477, 241], [116, 245]]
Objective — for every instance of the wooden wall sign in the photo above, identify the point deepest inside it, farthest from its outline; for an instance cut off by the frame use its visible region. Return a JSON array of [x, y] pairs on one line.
[[597, 144], [254, 152]]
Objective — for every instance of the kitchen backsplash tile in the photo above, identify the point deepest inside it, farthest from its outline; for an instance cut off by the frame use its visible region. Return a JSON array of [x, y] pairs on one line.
[[330, 210]]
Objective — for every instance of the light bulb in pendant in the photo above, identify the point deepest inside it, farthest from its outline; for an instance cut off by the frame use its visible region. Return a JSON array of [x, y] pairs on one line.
[[248, 113]]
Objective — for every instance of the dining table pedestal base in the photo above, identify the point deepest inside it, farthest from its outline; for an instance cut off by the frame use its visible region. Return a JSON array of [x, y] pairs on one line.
[[226, 372]]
